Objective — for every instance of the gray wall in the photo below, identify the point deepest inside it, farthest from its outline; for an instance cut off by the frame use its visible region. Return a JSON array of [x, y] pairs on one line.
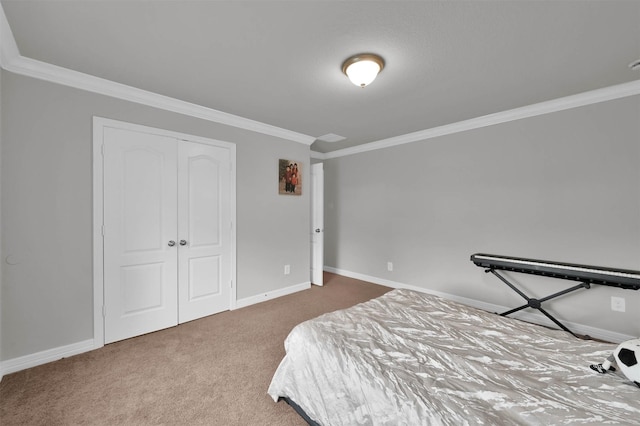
[[563, 186], [46, 199]]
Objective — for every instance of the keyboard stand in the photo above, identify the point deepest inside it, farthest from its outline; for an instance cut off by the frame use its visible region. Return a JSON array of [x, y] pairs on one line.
[[586, 275], [537, 303]]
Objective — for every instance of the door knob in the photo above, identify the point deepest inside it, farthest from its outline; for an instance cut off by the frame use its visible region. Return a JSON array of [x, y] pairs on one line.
[[172, 243], [183, 242], [318, 230]]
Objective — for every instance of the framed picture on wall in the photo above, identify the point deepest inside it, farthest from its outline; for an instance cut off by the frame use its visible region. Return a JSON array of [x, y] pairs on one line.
[[289, 177]]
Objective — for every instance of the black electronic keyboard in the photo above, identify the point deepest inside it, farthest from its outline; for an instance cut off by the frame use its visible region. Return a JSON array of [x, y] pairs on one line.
[[587, 275], [622, 278]]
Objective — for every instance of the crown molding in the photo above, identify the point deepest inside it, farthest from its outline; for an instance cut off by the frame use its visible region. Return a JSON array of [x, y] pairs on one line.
[[568, 102], [11, 60], [55, 74], [8, 47], [318, 155]]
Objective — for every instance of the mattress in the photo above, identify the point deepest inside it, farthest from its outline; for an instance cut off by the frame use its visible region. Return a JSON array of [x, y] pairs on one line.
[[409, 358]]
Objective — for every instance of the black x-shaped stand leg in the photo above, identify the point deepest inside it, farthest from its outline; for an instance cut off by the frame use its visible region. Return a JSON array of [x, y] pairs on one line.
[[537, 303]]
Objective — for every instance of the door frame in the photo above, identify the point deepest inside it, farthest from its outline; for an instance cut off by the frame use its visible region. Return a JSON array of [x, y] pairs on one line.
[[99, 124], [317, 212]]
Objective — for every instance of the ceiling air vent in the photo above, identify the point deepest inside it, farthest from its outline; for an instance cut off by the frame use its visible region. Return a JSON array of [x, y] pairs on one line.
[[330, 137]]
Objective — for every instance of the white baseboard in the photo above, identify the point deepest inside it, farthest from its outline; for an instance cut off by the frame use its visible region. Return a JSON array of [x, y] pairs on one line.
[[263, 297], [50, 355], [54, 354], [597, 333]]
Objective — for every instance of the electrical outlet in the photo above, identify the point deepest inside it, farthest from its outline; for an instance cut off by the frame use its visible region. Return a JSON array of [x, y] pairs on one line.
[[617, 304], [287, 269], [389, 266]]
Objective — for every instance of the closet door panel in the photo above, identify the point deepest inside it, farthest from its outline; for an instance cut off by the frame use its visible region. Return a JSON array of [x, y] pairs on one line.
[[204, 259], [140, 219], [204, 277], [203, 202]]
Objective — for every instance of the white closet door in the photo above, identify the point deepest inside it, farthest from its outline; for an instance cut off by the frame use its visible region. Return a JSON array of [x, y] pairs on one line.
[[204, 230], [140, 221]]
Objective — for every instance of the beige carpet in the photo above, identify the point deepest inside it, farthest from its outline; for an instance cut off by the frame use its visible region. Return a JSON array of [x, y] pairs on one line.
[[212, 371]]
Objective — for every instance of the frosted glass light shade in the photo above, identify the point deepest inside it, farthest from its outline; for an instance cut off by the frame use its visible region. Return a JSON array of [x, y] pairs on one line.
[[363, 69]]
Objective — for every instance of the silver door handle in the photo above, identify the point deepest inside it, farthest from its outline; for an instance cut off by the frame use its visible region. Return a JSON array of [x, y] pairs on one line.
[[318, 230], [183, 242], [172, 243]]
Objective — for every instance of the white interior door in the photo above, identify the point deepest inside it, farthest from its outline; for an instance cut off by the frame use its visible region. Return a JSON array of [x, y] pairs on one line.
[[164, 238], [317, 223], [204, 230], [140, 228]]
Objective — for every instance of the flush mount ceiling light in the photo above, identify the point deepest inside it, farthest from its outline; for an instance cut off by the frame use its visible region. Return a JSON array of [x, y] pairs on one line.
[[363, 69]]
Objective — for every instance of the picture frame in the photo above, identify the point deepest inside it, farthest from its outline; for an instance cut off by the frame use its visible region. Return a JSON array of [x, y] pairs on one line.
[[289, 177]]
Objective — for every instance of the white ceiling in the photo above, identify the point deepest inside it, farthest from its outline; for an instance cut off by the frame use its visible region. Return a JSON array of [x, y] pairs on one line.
[[279, 62]]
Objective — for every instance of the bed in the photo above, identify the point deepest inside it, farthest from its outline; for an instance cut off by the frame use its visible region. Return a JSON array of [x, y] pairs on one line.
[[410, 358]]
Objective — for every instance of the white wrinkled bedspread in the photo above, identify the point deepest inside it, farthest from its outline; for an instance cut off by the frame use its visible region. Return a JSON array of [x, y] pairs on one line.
[[408, 358]]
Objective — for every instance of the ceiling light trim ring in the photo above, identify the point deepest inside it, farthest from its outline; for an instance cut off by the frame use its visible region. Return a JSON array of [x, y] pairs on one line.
[[363, 57], [362, 76]]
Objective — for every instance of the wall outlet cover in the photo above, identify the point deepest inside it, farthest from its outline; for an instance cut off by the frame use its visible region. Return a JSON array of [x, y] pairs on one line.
[[618, 304]]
